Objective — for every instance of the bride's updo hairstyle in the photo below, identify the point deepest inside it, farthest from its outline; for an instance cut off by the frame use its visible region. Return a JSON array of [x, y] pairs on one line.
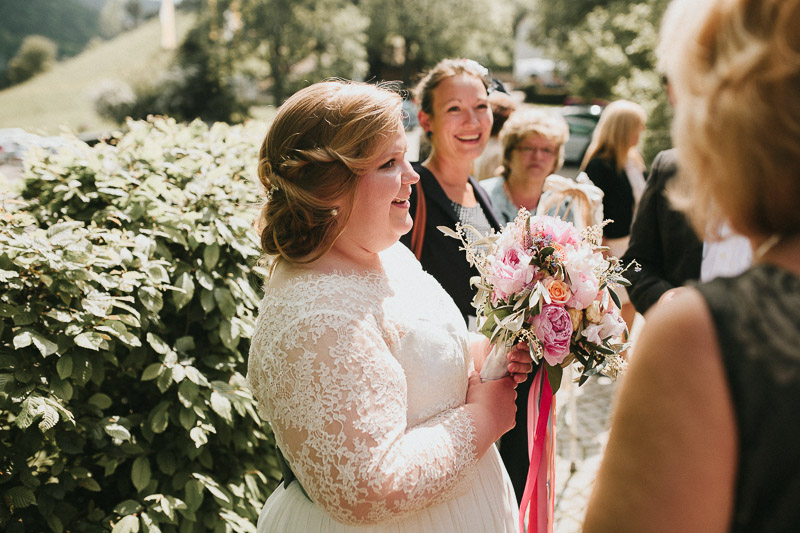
[[322, 140], [734, 67]]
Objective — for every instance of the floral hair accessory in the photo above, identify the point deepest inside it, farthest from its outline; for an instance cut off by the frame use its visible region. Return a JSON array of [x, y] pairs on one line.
[[270, 192], [473, 65]]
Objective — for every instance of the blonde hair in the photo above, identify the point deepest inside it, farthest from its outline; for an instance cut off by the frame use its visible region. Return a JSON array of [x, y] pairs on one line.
[[446, 68], [735, 68], [322, 140], [612, 136], [533, 121]]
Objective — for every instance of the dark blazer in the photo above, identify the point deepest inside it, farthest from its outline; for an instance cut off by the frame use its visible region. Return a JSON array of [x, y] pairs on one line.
[[617, 196], [441, 257], [662, 240]]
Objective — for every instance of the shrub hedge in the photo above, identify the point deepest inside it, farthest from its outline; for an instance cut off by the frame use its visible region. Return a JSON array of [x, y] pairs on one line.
[[128, 295]]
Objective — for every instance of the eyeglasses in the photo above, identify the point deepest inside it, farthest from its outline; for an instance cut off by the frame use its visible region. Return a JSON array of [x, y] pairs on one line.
[[547, 152]]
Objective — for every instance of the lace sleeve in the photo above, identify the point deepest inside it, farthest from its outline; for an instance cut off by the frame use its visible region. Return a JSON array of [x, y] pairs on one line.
[[336, 398]]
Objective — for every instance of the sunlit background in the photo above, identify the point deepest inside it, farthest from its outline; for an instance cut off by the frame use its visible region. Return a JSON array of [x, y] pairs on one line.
[[84, 66]]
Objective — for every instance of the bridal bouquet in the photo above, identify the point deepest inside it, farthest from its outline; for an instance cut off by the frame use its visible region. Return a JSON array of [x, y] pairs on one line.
[[544, 282]]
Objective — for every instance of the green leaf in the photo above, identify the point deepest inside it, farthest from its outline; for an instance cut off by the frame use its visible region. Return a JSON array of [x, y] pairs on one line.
[[159, 417], [90, 485], [25, 318], [199, 436], [128, 507], [91, 340], [64, 366], [118, 432], [150, 525], [225, 302], [152, 371], [8, 310], [128, 524], [54, 522], [554, 374], [97, 303], [158, 344], [20, 497], [187, 418], [221, 405], [229, 333], [166, 462], [615, 298], [62, 388], [49, 418], [22, 340], [103, 401], [193, 491], [140, 473], [183, 296], [205, 280], [207, 300], [211, 256], [151, 298], [60, 315]]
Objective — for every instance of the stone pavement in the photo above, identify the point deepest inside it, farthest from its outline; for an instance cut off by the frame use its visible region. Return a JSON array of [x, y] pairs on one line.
[[581, 433], [582, 423]]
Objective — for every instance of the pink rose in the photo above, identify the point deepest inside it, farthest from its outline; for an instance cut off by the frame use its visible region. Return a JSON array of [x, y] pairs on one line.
[[511, 272], [561, 231], [553, 328]]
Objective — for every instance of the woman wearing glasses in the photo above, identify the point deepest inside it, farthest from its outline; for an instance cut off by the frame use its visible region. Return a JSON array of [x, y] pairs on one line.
[[533, 149]]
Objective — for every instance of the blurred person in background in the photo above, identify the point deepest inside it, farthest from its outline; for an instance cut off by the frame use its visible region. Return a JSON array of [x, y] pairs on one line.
[[489, 163], [704, 435], [614, 164]]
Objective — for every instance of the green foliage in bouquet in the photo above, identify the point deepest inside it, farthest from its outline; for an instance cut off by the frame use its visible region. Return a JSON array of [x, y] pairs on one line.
[[128, 297]]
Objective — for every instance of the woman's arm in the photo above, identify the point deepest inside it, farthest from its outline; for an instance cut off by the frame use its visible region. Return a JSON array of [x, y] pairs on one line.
[[339, 413], [670, 462]]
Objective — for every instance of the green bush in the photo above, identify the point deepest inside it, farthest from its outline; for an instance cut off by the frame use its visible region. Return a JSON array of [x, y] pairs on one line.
[[128, 295], [36, 54]]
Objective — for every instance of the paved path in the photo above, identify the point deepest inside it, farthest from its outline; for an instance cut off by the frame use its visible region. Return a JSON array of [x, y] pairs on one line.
[[579, 449], [581, 433]]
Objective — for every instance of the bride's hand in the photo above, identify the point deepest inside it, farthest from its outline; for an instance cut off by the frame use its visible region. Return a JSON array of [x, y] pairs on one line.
[[494, 402], [520, 362]]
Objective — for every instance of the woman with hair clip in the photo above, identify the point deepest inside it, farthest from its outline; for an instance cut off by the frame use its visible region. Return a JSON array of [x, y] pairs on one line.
[[704, 436], [456, 117], [360, 361]]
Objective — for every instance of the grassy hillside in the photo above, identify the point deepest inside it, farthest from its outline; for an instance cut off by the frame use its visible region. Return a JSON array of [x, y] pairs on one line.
[[59, 98], [69, 23]]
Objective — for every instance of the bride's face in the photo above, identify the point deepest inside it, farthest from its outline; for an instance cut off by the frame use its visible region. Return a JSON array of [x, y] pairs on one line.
[[380, 212]]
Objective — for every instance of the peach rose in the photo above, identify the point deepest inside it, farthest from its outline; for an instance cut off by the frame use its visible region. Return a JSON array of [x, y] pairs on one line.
[[558, 290]]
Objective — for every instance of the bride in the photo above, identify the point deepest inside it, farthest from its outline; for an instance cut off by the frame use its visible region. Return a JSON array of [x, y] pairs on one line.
[[360, 361]]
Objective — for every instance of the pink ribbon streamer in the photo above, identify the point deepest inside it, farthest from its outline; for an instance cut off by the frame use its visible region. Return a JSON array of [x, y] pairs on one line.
[[541, 441]]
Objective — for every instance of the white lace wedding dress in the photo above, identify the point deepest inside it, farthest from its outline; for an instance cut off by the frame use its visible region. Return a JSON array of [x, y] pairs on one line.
[[361, 377]]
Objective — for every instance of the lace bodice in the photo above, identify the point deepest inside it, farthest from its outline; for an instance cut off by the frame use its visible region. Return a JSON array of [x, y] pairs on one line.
[[363, 377]]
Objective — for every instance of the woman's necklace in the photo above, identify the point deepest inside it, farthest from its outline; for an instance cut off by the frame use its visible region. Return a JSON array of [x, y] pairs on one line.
[[768, 244]]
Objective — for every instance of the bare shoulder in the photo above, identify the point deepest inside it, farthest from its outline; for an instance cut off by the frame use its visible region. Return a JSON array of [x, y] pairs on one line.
[[673, 434]]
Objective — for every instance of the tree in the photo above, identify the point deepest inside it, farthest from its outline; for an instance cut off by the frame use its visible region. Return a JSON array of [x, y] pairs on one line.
[[609, 53], [35, 55], [417, 34], [300, 41]]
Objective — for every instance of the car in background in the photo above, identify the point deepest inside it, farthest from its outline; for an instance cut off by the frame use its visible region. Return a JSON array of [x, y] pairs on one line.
[[581, 119], [410, 109], [14, 142]]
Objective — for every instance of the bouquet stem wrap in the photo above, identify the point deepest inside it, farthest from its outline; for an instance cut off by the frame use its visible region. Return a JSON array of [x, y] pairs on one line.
[[496, 364], [539, 497]]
